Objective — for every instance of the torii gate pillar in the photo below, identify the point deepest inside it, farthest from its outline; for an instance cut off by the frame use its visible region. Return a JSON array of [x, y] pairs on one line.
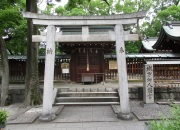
[[47, 114], [125, 113]]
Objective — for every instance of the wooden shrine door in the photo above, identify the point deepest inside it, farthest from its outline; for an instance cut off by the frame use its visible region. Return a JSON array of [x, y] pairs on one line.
[[87, 61]]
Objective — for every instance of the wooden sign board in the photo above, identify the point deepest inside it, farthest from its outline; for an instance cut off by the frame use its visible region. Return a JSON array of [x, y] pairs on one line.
[[65, 68], [65, 71], [113, 64], [64, 65]]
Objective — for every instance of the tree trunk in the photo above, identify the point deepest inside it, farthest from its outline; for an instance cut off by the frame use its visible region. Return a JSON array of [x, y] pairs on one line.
[[176, 2], [138, 29], [5, 72], [32, 89]]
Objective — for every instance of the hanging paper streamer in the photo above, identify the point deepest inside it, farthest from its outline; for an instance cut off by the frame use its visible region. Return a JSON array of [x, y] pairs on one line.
[[87, 68]]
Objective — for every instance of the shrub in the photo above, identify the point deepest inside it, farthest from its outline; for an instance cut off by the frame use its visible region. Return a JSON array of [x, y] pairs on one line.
[[168, 124], [3, 117]]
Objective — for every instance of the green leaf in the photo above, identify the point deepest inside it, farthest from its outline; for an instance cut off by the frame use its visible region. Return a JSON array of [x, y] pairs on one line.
[[3, 117]]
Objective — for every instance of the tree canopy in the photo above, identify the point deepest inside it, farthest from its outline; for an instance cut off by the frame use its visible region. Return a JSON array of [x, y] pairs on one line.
[[109, 7], [13, 26], [166, 11], [159, 11]]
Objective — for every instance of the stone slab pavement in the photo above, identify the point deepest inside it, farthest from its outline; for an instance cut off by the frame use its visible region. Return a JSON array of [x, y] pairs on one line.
[[30, 115], [120, 125], [146, 113], [81, 118]]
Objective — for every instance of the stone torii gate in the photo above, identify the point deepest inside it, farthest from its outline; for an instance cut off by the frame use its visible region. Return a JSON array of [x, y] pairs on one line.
[[118, 36]]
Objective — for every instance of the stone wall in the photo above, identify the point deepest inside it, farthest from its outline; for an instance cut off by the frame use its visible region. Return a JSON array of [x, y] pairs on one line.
[[135, 93], [159, 93], [16, 95]]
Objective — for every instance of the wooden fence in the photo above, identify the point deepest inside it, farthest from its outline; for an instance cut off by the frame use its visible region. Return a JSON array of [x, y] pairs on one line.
[[134, 70], [17, 69]]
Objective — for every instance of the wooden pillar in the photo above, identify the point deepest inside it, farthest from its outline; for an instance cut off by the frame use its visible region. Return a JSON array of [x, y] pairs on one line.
[[125, 113], [47, 114]]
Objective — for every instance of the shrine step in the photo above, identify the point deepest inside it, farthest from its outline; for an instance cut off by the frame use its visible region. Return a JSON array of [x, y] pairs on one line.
[[80, 96], [87, 99], [86, 94], [87, 103]]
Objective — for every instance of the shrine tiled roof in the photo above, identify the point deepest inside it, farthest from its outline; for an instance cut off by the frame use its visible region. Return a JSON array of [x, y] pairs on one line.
[[145, 55], [163, 61], [173, 31], [107, 56], [148, 43], [169, 32], [169, 39]]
